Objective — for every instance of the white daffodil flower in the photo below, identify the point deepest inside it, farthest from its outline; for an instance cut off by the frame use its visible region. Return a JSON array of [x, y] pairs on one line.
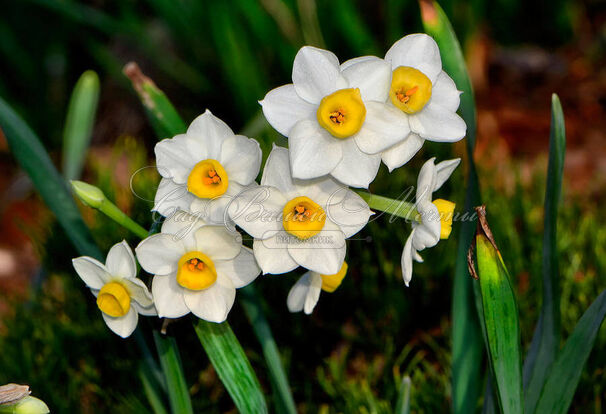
[[335, 116], [435, 216], [298, 222], [304, 294], [120, 295], [197, 267], [204, 168], [424, 95]]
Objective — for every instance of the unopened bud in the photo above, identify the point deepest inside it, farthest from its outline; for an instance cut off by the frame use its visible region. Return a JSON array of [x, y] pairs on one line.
[[89, 194]]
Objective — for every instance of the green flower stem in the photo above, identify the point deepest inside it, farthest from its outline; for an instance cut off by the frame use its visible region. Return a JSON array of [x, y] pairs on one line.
[[391, 206], [94, 197]]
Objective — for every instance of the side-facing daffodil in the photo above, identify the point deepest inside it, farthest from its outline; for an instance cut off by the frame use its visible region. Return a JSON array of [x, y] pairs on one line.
[[298, 222], [424, 95], [204, 168], [305, 293], [435, 216], [120, 295], [335, 116], [197, 267]]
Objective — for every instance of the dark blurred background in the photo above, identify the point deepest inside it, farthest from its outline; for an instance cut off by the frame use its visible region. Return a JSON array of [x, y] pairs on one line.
[[351, 354]]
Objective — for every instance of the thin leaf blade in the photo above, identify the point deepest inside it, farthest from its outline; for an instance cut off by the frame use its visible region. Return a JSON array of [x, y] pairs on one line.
[[178, 395]]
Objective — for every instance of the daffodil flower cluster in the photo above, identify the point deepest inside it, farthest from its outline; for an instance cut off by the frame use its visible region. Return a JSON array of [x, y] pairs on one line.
[[341, 120]]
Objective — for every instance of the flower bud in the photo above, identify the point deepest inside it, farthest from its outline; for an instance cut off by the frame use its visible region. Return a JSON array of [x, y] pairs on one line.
[[27, 405], [89, 194]]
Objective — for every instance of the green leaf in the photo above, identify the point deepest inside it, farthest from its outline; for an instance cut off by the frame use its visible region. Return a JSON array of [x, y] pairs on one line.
[[502, 326], [178, 393], [403, 403], [277, 375], [467, 344], [32, 157], [79, 124], [151, 390], [565, 372], [546, 338], [232, 366]]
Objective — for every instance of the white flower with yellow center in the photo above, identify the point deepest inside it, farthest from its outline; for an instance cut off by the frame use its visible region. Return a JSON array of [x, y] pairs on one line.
[[197, 268], [298, 222], [304, 295], [435, 215], [120, 295], [335, 116], [204, 168], [424, 95]]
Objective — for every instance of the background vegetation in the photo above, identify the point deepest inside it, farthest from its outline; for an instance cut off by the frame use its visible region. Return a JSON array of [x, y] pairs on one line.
[[351, 354]]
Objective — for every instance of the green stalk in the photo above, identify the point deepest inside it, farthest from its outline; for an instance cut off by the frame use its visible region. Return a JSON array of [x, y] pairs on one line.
[[399, 208], [93, 197], [170, 360]]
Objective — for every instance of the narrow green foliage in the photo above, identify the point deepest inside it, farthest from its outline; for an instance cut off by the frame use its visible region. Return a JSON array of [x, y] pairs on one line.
[[502, 326], [546, 338], [32, 157], [178, 393], [79, 124], [565, 373], [399, 208], [403, 404], [466, 333], [232, 366]]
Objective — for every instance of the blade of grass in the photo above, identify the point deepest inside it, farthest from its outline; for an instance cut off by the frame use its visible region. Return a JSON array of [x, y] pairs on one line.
[[546, 338], [32, 157], [79, 124], [565, 372], [151, 391], [501, 321], [467, 346], [403, 403], [252, 307], [232, 366], [178, 393]]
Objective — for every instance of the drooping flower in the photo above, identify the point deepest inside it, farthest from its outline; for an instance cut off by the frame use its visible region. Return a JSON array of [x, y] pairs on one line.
[[204, 168], [424, 95], [298, 222], [305, 293], [336, 117], [435, 215], [197, 267], [121, 296]]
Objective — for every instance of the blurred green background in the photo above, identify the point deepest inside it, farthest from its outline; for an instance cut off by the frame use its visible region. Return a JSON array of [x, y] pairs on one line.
[[351, 354]]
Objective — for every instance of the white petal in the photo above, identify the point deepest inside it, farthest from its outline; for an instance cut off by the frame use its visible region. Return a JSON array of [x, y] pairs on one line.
[[356, 60], [123, 326], [406, 261], [444, 170], [305, 293], [356, 169], [149, 311], [211, 132], [139, 292], [168, 297], [213, 211], [171, 197], [160, 253], [272, 254], [283, 108], [315, 73], [427, 234], [401, 153], [437, 123], [444, 92], [313, 151], [426, 181], [91, 271], [323, 253], [120, 260], [372, 76], [218, 243], [418, 51], [212, 304], [258, 210], [183, 225], [385, 126], [351, 215], [242, 269], [277, 172], [324, 190], [241, 158], [175, 157]]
